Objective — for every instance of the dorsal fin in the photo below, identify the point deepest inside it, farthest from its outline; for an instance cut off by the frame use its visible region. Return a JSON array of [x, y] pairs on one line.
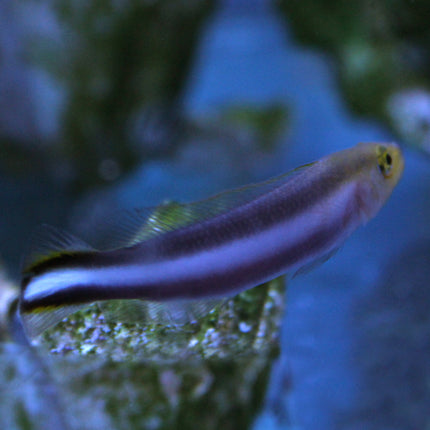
[[128, 227], [137, 225], [48, 241]]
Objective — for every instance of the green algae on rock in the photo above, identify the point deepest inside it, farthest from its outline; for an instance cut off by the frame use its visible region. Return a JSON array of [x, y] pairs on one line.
[[150, 395]]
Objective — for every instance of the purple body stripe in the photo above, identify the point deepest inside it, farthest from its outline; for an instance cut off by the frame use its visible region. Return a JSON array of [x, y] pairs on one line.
[[225, 283]]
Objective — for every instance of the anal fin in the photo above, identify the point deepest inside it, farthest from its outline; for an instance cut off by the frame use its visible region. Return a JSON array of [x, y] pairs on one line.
[[39, 320], [165, 313]]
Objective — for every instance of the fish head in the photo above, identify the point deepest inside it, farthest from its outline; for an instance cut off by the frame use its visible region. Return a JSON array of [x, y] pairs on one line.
[[382, 166]]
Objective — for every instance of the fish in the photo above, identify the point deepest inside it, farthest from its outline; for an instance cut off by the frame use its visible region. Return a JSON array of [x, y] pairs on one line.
[[182, 259]]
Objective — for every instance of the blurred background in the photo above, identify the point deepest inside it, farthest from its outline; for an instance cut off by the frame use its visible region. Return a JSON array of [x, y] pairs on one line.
[[115, 104]]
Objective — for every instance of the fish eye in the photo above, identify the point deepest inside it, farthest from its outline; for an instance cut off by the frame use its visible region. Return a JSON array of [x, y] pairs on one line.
[[385, 162]]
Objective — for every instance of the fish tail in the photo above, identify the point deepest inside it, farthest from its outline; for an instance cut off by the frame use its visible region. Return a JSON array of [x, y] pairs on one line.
[[49, 247]]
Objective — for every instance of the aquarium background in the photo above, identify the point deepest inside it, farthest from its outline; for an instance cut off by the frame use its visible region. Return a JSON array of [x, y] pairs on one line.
[[109, 105]]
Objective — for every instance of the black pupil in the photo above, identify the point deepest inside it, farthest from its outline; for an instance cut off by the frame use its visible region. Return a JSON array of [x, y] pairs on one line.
[[388, 159]]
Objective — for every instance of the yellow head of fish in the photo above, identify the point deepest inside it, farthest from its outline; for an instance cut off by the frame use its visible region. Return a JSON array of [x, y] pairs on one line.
[[379, 167]]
